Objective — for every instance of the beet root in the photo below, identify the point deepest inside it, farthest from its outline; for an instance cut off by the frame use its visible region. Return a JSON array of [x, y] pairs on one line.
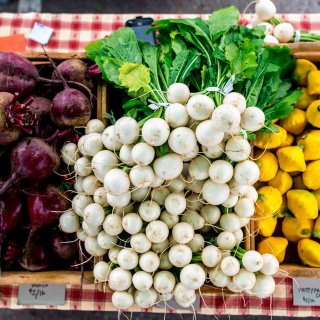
[[37, 257], [31, 160], [10, 211], [5, 99], [7, 135], [73, 70], [45, 206], [41, 108], [17, 74], [70, 107], [11, 252], [64, 246]]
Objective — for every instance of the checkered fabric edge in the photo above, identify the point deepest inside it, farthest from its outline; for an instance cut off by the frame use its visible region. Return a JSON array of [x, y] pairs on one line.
[[89, 298], [72, 32]]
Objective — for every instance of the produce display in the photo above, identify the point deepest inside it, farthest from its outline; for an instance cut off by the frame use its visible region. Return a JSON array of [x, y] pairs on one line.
[[289, 190], [38, 113], [209, 130], [166, 191]]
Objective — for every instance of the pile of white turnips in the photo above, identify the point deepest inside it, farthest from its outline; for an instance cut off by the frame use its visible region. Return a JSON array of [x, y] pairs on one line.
[[168, 224], [282, 32]]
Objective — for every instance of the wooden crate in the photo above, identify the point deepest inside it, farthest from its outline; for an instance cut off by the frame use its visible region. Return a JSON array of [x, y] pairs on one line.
[[58, 276], [309, 51]]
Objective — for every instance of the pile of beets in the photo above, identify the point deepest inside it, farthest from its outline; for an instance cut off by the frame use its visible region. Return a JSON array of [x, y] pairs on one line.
[[39, 111]]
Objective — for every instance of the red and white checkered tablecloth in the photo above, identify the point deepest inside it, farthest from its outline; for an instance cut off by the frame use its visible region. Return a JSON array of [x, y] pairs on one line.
[[233, 304], [71, 33]]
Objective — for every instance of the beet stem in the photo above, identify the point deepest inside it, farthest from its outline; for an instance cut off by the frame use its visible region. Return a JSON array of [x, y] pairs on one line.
[[58, 134], [56, 69]]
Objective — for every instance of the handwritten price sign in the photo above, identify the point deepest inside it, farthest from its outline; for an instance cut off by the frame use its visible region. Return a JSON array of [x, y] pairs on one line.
[[41, 294], [306, 292]]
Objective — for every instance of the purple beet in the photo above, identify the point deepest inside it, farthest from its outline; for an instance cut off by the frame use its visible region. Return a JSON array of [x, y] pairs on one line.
[[64, 246], [31, 160], [10, 211], [70, 107], [12, 251], [37, 257], [41, 108], [74, 70], [7, 135], [45, 206], [17, 74]]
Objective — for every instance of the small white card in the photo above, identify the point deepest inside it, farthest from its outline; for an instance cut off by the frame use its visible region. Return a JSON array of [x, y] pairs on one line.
[[306, 292], [42, 294], [40, 33]]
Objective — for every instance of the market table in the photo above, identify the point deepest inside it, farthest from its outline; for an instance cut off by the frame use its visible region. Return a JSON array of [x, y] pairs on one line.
[[71, 33]]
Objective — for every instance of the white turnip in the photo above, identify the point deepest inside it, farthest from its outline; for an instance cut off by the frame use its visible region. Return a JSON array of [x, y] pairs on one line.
[[149, 261], [142, 153], [168, 166], [149, 210], [126, 130], [157, 231], [178, 93], [182, 232], [207, 135], [252, 119], [199, 168], [116, 182], [127, 259], [226, 118], [215, 193], [182, 140], [180, 255], [120, 279], [102, 162], [246, 172], [200, 107], [265, 9], [109, 139], [238, 149], [142, 280], [176, 115], [220, 171], [175, 203], [155, 131]]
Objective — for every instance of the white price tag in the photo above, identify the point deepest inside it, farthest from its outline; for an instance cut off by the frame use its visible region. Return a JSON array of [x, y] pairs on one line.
[[40, 33], [306, 292], [42, 294]]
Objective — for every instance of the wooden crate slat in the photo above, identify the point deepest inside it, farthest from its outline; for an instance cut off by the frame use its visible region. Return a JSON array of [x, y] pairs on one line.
[[47, 277], [55, 276]]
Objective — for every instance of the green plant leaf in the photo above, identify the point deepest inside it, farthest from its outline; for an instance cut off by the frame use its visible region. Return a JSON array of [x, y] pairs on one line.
[[122, 44], [284, 107], [134, 77], [222, 20]]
